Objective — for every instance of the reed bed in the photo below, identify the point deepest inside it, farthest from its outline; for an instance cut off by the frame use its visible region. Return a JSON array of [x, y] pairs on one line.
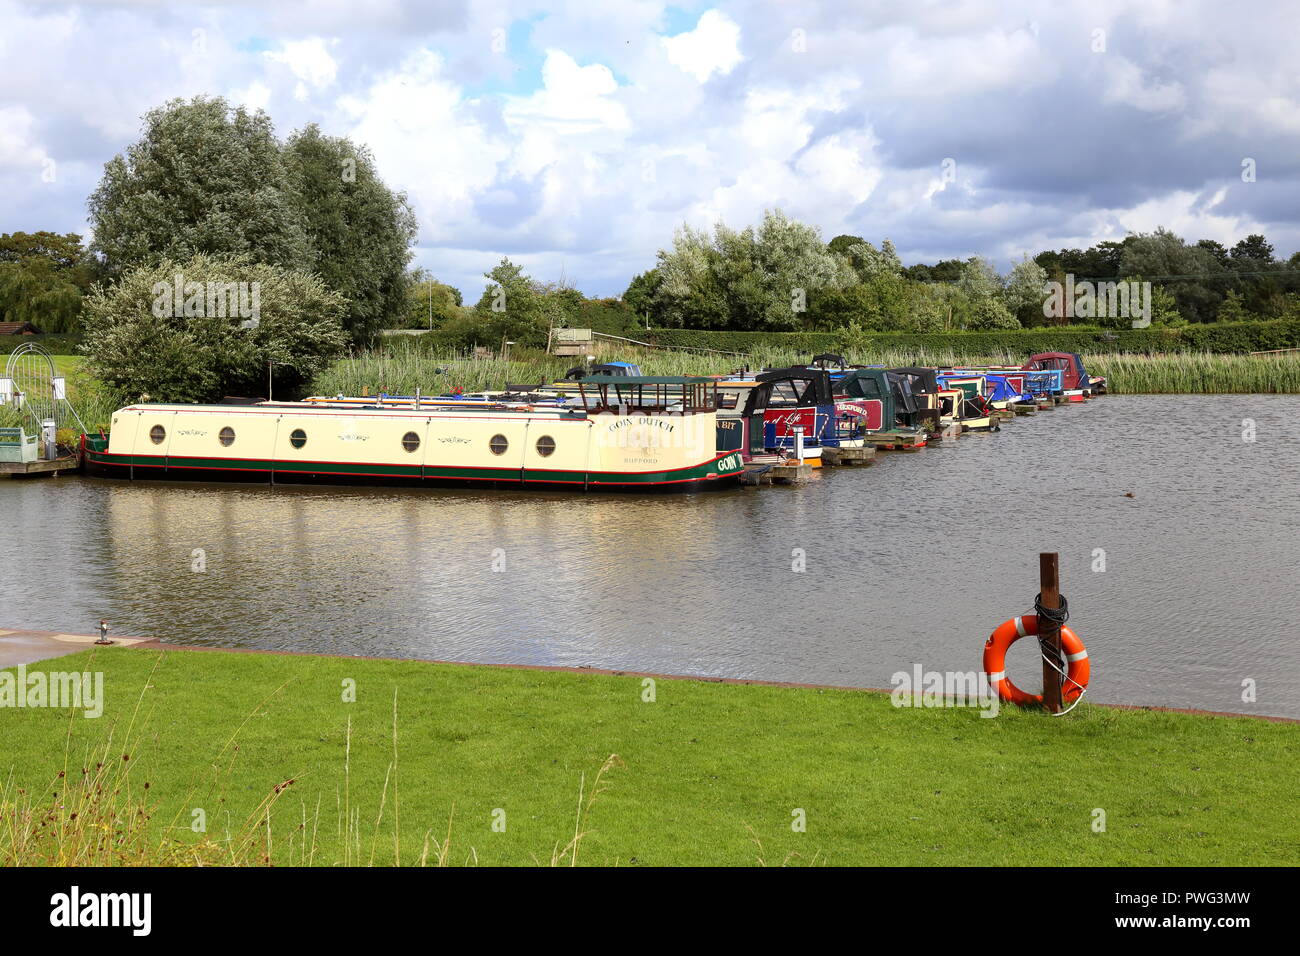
[[1199, 373], [401, 369]]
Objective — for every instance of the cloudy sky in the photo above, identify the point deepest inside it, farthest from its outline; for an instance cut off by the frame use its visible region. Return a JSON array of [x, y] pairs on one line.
[[574, 136]]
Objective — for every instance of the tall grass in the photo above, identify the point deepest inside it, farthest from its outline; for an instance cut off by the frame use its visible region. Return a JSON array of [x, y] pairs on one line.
[[96, 812], [1199, 373], [401, 369]]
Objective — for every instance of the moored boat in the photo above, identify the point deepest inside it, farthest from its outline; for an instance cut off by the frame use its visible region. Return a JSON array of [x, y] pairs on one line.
[[622, 432]]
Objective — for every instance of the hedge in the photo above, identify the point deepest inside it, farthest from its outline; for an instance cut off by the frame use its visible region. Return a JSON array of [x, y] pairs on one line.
[[1210, 337]]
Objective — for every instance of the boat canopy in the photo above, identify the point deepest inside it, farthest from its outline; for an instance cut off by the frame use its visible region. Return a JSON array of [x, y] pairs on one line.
[[924, 381], [1070, 364], [796, 387], [674, 393], [828, 359], [622, 369]]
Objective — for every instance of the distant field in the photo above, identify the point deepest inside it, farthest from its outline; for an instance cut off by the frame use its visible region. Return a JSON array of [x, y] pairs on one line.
[[707, 773]]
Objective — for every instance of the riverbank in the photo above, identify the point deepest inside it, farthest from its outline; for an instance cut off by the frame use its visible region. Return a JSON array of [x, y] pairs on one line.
[[325, 760]]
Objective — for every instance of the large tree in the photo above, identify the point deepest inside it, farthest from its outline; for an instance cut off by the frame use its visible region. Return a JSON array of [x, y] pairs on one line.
[[205, 177], [360, 230]]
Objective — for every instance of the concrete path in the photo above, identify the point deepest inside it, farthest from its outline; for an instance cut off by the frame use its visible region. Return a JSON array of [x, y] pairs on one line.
[[28, 647]]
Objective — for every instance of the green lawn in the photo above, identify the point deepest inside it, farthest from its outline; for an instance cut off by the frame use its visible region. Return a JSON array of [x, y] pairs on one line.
[[709, 772]]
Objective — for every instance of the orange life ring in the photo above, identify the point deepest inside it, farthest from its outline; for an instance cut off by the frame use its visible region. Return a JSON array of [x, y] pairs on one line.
[[995, 661]]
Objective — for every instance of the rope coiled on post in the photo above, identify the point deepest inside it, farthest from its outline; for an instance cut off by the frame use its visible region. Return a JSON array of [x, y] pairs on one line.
[[1056, 616]]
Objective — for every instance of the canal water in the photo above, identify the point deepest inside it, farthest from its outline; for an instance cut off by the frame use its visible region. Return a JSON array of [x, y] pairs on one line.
[[1185, 593]]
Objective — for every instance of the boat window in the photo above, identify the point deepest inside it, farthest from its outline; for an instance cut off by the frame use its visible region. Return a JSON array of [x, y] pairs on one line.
[[157, 434], [784, 394], [297, 438], [226, 437], [498, 444], [546, 446], [410, 441]]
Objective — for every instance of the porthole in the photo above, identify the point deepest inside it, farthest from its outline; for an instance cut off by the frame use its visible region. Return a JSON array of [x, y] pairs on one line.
[[157, 434], [226, 437], [410, 441], [498, 444], [297, 438], [546, 446]]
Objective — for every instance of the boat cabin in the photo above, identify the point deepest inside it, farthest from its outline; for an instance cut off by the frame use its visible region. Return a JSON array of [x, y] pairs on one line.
[[1070, 365]]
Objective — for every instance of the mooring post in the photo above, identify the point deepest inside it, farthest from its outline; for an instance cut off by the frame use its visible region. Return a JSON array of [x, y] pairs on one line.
[[1049, 633]]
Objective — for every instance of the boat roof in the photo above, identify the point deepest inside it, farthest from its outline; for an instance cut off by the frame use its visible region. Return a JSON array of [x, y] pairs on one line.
[[322, 410], [646, 380]]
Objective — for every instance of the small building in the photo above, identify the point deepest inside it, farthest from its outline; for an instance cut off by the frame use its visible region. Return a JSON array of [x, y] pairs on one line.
[[19, 328], [571, 341]]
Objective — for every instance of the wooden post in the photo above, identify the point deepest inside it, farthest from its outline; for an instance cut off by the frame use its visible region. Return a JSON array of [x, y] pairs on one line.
[[1049, 585]]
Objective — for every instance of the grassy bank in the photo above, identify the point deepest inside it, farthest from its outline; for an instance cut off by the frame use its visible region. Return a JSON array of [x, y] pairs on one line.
[[428, 756], [401, 369]]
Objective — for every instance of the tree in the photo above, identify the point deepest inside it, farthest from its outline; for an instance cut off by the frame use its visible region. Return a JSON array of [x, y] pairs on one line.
[[359, 230], [752, 279], [1254, 249], [204, 178], [642, 296], [144, 335], [43, 277], [866, 261], [979, 278], [1216, 249], [429, 303], [510, 310], [1186, 270], [1025, 290], [945, 270]]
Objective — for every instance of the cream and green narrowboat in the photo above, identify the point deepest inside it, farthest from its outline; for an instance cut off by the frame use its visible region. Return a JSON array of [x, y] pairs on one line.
[[621, 434]]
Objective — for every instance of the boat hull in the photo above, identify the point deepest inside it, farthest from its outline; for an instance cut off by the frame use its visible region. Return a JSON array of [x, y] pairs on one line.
[[723, 471]]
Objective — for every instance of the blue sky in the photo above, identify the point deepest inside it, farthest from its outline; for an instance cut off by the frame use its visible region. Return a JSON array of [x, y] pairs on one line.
[[575, 137]]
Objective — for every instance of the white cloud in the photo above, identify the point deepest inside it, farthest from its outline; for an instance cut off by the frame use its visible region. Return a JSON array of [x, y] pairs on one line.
[[712, 47], [309, 61], [573, 98]]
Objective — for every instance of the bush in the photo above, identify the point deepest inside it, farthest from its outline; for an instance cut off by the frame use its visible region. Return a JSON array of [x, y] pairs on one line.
[[138, 344]]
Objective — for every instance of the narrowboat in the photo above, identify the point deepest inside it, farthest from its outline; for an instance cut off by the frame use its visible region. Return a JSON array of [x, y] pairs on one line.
[[1076, 382], [906, 414], [1001, 389], [967, 393], [625, 433], [891, 412], [789, 399]]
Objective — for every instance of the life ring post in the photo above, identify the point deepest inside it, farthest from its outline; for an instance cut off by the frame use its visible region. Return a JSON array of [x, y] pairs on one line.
[[1049, 632]]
